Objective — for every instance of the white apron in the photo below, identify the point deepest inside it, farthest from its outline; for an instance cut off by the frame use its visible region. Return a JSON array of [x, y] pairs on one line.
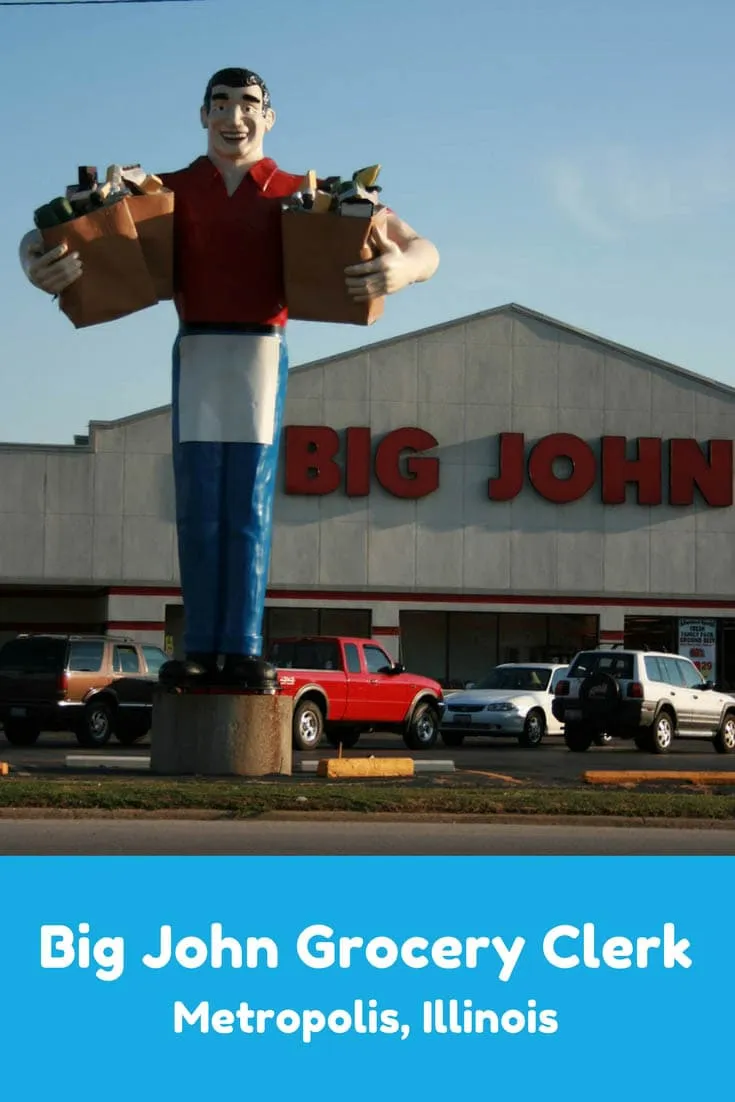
[[228, 387]]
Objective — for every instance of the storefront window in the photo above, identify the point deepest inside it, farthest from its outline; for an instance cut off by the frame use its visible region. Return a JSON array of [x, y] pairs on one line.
[[652, 632], [424, 644], [726, 659], [458, 647], [284, 622]]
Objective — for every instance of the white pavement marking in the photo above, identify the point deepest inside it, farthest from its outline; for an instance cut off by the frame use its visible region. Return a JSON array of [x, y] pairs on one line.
[[112, 761], [109, 761]]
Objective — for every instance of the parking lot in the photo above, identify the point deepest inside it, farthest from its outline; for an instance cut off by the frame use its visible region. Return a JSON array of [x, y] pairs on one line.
[[550, 763]]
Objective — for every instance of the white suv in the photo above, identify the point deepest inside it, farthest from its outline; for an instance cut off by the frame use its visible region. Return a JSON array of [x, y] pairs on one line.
[[647, 696]]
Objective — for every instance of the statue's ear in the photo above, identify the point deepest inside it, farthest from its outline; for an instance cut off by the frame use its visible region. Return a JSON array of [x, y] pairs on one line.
[[203, 116], [270, 119]]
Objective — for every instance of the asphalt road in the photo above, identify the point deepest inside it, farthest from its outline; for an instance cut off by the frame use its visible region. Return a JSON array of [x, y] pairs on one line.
[[113, 837], [551, 763]]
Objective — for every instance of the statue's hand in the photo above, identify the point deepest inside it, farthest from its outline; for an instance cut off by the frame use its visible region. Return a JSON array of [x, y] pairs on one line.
[[51, 271], [389, 272]]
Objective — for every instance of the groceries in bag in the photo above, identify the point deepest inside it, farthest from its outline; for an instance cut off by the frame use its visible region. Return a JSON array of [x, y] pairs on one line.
[[122, 229]]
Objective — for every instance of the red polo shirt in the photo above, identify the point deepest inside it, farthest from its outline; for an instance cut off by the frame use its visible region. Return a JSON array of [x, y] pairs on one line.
[[228, 265]]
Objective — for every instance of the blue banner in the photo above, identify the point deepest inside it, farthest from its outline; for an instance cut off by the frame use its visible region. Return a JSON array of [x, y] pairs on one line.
[[363, 978]]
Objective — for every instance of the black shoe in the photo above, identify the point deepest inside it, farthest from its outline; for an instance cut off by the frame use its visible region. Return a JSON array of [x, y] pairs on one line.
[[195, 669], [244, 671]]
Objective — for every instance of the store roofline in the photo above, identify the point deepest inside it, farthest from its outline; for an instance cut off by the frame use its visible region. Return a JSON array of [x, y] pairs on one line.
[[85, 442], [534, 315]]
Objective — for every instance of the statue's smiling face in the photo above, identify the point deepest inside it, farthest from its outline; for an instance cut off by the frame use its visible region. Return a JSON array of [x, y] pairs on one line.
[[237, 121]]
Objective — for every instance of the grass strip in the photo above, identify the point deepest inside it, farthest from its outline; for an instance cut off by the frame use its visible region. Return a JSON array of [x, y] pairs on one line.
[[251, 798]]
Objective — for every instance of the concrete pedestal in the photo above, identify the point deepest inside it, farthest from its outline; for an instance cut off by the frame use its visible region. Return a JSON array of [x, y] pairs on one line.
[[221, 734]]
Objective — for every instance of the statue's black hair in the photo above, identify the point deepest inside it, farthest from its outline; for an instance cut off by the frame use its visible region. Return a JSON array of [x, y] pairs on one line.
[[236, 78]]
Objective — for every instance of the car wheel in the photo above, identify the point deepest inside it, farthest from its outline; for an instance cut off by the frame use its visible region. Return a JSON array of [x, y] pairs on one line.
[[19, 732], [533, 729], [97, 724], [452, 739], [577, 737], [308, 725], [662, 733], [423, 729], [724, 740], [347, 738]]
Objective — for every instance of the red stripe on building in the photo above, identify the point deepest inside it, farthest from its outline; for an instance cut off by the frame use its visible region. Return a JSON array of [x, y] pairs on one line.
[[385, 631], [413, 597], [136, 625], [58, 627], [143, 591]]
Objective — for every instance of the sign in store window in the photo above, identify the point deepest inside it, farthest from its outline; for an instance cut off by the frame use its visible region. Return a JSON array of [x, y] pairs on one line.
[[698, 641]]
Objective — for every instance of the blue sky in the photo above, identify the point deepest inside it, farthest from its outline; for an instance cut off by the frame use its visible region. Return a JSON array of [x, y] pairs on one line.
[[575, 157]]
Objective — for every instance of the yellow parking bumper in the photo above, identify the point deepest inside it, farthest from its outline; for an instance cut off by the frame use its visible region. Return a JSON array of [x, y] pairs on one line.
[[651, 776], [365, 767]]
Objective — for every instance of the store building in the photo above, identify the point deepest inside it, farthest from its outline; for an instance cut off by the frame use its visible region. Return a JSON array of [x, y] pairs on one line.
[[501, 487]]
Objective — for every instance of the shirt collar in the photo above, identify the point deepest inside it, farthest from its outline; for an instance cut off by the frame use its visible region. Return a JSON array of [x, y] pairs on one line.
[[261, 173]]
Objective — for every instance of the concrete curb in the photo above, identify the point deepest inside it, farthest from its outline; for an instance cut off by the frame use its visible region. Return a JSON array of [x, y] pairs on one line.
[[206, 815]]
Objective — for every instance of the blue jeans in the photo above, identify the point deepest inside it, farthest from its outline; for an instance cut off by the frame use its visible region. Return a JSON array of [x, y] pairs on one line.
[[224, 514]]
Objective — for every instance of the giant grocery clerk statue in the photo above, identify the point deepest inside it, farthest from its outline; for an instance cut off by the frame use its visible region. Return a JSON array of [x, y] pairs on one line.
[[230, 370]]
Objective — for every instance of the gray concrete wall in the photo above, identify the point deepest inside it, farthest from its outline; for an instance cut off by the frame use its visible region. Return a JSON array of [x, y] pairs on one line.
[[106, 513], [466, 384], [102, 515]]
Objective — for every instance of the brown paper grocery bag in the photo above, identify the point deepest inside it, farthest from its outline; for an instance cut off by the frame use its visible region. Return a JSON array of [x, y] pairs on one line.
[[316, 250], [153, 217], [115, 281]]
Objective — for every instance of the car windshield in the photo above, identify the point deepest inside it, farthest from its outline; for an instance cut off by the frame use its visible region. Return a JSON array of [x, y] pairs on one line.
[[524, 678]]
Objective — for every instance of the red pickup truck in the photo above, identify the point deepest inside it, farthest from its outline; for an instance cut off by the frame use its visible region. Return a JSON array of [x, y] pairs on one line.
[[343, 687]]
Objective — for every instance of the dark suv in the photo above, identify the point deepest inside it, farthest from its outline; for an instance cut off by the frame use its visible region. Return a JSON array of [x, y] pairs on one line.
[[91, 685]]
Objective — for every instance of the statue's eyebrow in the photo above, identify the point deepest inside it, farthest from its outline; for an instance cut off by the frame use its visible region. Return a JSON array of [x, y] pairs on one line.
[[246, 96]]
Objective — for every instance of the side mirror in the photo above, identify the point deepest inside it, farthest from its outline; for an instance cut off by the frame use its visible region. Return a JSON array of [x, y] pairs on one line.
[[470, 685], [398, 668], [708, 686]]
